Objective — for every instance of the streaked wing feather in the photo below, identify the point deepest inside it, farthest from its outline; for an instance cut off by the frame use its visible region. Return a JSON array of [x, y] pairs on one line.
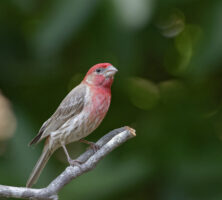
[[36, 139], [71, 105]]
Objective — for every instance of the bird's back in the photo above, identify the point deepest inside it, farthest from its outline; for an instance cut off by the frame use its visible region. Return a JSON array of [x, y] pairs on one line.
[[71, 106]]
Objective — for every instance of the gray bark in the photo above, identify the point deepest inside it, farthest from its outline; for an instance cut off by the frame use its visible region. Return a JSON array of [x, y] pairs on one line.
[[89, 160]]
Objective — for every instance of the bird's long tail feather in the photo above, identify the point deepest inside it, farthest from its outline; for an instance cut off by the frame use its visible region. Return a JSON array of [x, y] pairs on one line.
[[46, 153]]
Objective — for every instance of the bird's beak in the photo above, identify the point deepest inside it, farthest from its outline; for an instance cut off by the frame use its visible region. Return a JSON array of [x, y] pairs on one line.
[[110, 71]]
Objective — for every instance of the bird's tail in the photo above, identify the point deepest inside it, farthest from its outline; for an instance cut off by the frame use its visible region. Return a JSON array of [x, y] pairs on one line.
[[46, 153]]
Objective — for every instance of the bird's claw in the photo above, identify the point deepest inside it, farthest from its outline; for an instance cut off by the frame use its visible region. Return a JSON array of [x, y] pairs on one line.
[[95, 147], [75, 163]]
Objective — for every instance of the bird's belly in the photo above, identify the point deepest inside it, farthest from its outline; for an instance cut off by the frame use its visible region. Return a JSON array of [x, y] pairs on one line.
[[81, 127], [83, 124]]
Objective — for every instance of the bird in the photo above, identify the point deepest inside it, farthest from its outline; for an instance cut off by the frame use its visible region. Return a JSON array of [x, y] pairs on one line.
[[78, 115]]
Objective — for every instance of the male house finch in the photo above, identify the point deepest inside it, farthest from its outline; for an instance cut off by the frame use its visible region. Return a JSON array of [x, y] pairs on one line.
[[80, 113]]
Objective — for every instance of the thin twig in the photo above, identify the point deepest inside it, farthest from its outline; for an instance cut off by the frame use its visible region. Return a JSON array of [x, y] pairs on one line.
[[89, 160]]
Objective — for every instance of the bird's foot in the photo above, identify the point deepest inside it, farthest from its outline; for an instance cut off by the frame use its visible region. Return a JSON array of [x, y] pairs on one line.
[[75, 163], [95, 147]]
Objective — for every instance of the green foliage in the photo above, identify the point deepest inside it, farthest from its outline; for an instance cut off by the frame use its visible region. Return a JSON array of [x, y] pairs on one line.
[[143, 93], [168, 88]]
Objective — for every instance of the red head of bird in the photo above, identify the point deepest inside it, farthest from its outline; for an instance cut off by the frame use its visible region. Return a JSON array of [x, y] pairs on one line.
[[100, 75]]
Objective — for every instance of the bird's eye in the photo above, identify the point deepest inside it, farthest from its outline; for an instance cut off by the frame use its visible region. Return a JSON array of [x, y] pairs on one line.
[[98, 70]]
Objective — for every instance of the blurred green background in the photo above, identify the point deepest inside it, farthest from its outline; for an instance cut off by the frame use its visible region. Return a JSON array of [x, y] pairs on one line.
[[168, 88]]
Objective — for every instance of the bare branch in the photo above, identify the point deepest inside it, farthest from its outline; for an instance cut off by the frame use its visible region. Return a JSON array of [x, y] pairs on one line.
[[89, 160]]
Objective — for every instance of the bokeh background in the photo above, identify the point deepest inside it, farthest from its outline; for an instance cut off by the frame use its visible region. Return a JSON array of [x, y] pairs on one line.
[[168, 88]]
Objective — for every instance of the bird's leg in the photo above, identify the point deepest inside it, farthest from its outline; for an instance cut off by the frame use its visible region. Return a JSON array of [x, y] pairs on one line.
[[71, 162], [94, 146]]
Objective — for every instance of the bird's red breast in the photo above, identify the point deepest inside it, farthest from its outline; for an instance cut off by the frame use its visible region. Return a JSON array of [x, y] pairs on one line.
[[100, 99]]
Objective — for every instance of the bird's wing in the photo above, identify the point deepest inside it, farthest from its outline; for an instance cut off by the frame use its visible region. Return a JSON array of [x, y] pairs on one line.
[[71, 105]]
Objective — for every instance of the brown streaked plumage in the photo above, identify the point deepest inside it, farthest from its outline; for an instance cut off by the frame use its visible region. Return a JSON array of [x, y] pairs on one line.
[[71, 105], [80, 113]]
